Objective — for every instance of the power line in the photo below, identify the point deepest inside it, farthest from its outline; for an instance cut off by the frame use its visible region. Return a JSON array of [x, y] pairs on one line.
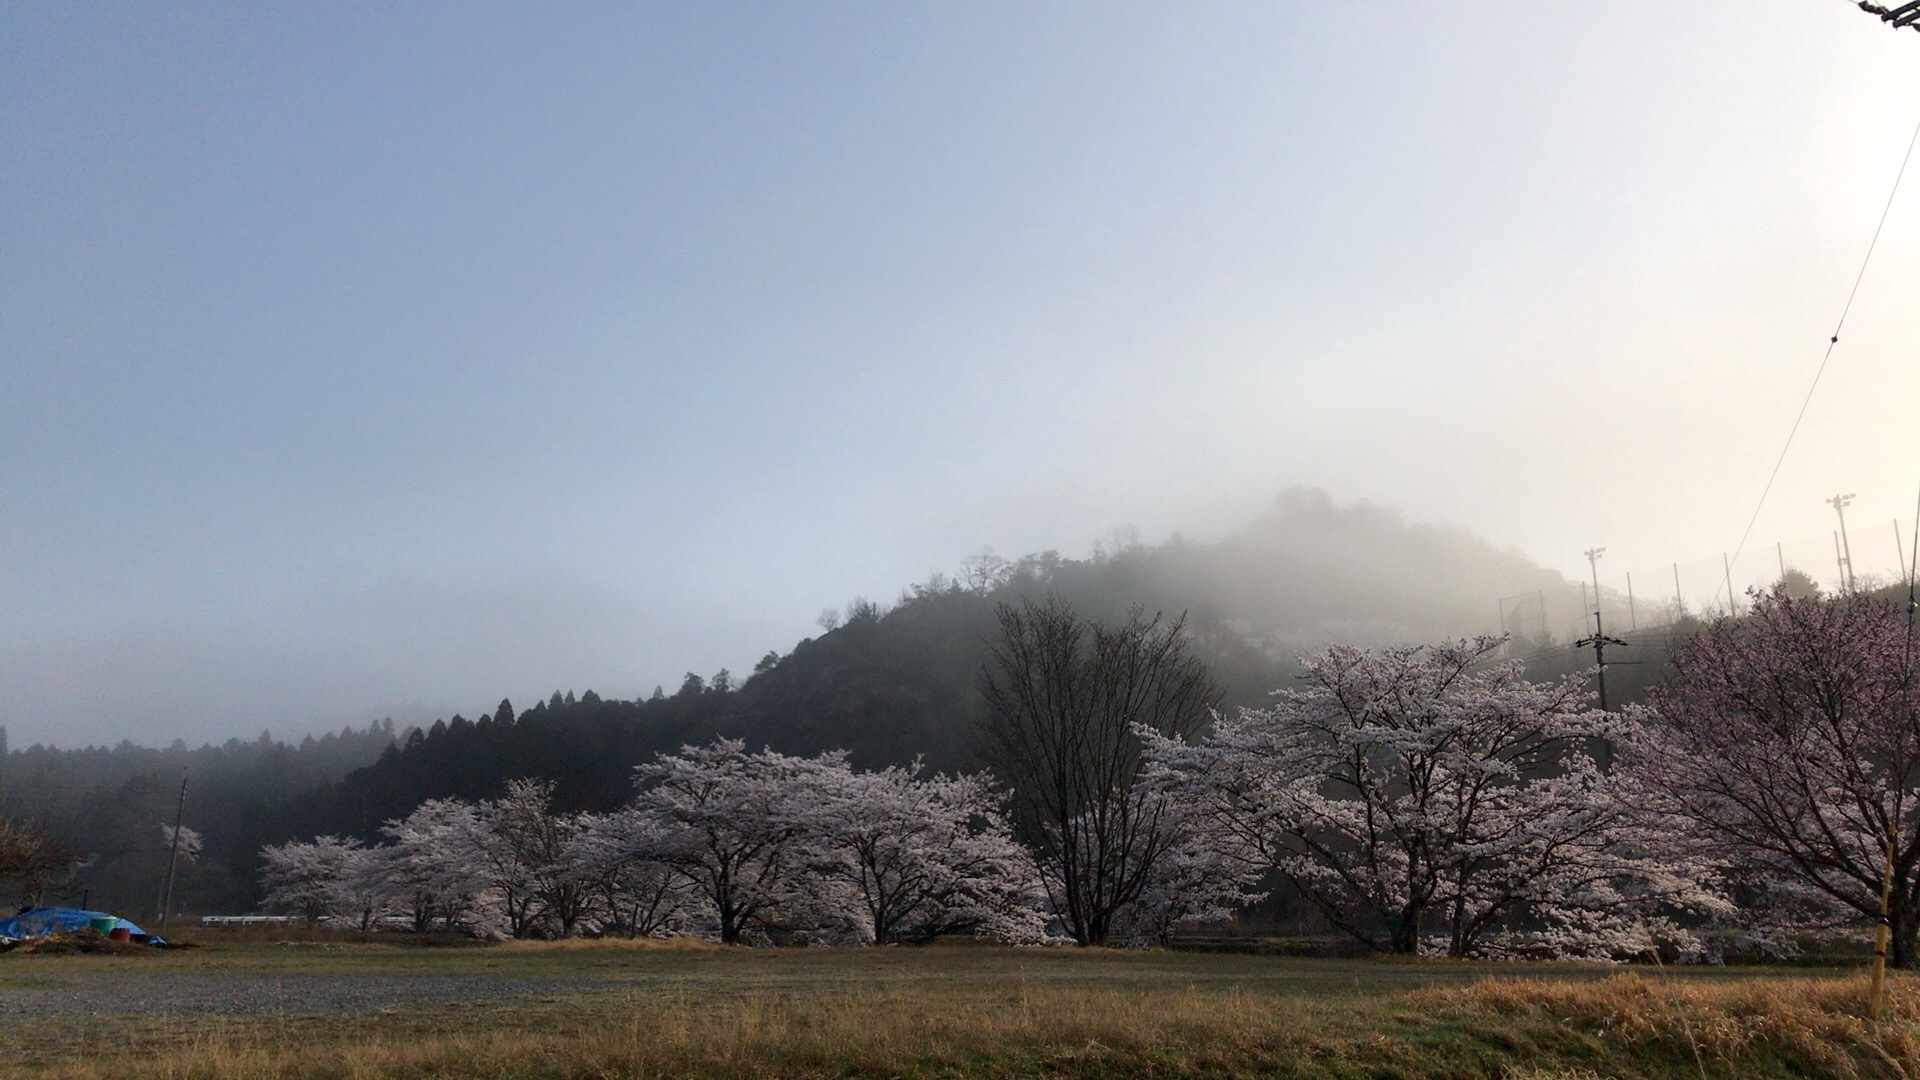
[[1831, 342]]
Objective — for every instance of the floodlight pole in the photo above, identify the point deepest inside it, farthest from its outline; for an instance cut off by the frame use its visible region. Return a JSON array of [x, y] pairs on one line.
[[1839, 504], [1593, 566]]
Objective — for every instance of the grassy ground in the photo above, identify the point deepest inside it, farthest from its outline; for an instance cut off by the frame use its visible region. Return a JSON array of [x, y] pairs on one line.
[[683, 1010]]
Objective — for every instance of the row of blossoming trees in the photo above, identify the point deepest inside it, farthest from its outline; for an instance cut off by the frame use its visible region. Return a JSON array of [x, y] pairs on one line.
[[1423, 799], [719, 842]]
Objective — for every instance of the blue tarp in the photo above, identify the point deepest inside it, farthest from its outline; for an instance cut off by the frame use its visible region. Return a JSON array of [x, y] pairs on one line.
[[34, 922]]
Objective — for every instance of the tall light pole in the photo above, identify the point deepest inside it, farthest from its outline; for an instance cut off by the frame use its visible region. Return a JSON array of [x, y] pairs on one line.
[[1593, 565], [1839, 504]]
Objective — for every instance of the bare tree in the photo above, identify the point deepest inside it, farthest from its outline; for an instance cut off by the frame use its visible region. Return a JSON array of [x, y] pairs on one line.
[[1063, 698]]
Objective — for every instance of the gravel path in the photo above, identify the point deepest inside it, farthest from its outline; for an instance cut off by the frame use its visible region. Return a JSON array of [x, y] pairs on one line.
[[239, 993]]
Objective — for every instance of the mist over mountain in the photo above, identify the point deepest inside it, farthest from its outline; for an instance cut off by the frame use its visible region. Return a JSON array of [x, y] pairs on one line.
[[1312, 570]]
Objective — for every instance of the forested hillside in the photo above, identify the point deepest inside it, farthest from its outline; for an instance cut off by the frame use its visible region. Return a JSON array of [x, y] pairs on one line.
[[890, 683], [107, 806]]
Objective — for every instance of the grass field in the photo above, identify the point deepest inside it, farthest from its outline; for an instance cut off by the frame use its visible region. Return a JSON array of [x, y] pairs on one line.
[[604, 1009]]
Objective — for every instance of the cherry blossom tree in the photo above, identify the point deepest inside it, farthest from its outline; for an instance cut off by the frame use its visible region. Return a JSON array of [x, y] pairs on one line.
[[31, 857], [732, 825], [1417, 789], [613, 858], [431, 862], [926, 857], [190, 841], [304, 879], [364, 889], [523, 843], [1790, 740]]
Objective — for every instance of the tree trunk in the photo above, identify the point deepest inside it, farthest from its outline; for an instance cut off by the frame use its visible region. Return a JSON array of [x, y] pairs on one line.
[[1095, 932], [1905, 929], [1406, 929]]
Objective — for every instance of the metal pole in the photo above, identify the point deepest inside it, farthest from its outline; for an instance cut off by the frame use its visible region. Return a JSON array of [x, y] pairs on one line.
[[1839, 562], [1679, 602], [1633, 619], [1839, 504], [1600, 641], [1726, 567], [173, 853], [1593, 565], [1600, 660], [1781, 554]]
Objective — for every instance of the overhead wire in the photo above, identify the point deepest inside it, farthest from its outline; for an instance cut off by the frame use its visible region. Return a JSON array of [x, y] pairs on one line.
[[1832, 341]]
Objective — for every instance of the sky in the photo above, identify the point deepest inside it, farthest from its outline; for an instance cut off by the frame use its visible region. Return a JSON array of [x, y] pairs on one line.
[[370, 360]]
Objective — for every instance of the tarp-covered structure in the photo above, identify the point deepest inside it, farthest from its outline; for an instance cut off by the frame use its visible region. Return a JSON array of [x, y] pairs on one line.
[[40, 921]]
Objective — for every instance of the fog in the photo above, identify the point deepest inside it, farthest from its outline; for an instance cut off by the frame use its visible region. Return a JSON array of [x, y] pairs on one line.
[[391, 362]]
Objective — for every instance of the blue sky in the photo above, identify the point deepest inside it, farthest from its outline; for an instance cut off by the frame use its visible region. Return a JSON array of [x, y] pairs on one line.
[[362, 360]]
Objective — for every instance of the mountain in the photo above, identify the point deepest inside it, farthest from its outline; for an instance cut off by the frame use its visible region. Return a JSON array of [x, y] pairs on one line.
[[889, 684]]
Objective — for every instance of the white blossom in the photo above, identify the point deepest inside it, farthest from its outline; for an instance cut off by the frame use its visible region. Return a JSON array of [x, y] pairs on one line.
[[1423, 798]]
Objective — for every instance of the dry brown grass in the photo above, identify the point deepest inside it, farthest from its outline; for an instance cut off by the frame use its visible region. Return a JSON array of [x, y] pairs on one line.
[[1017, 1031], [1820, 1024], [611, 944], [703, 1011]]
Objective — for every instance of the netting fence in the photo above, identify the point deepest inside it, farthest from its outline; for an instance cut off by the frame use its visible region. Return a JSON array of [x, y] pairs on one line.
[[1870, 556]]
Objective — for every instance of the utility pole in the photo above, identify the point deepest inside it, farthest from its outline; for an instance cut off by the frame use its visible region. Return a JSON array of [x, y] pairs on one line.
[[173, 853], [1839, 504], [1907, 14], [1600, 641]]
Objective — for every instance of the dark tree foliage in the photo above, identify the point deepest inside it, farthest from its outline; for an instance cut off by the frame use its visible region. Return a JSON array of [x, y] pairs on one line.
[[108, 804], [588, 748]]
